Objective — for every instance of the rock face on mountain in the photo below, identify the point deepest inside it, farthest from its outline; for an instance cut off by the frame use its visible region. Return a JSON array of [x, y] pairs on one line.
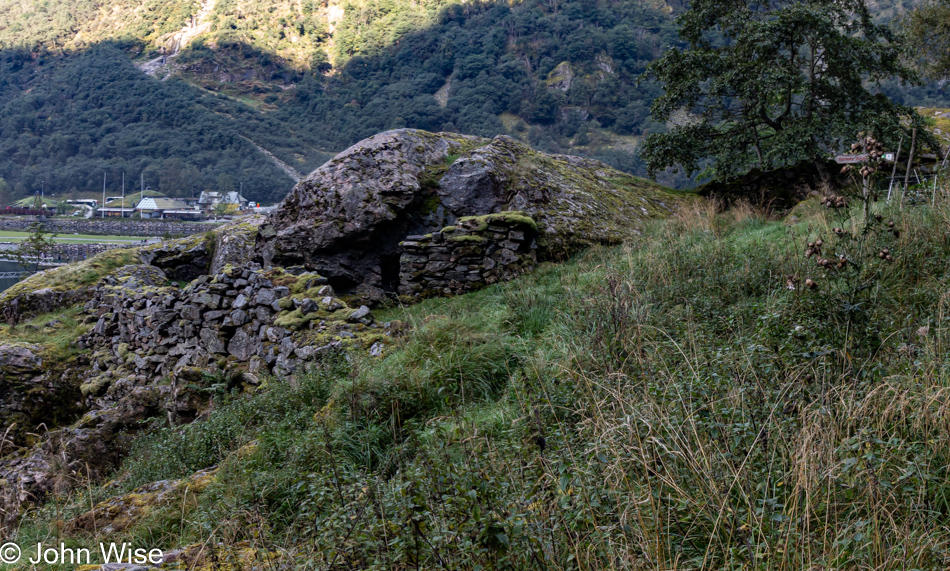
[[347, 218]]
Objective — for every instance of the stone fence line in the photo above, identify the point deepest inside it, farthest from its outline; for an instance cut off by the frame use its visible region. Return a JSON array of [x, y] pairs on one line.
[[62, 253], [112, 227]]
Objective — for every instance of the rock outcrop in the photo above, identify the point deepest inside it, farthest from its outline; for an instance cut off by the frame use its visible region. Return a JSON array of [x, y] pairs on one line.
[[162, 327], [347, 218], [31, 394], [88, 449], [116, 514], [19, 362], [181, 259], [16, 308]]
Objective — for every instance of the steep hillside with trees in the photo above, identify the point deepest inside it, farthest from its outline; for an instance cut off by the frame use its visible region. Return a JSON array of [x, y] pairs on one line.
[[561, 76], [306, 79], [66, 121]]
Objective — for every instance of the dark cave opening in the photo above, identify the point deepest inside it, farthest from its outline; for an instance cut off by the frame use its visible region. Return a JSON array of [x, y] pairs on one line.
[[389, 272]]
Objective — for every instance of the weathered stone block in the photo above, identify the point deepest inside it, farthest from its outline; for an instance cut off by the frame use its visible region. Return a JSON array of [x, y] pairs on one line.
[[239, 317], [263, 314], [242, 346], [240, 302], [211, 341], [209, 300], [360, 315], [215, 315], [265, 297]]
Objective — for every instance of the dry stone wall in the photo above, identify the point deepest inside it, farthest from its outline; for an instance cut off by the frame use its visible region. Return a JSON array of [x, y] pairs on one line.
[[83, 251], [477, 251], [241, 315], [112, 227]]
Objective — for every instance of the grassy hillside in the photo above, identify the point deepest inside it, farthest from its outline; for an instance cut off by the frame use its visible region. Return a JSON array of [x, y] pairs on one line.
[[706, 397]]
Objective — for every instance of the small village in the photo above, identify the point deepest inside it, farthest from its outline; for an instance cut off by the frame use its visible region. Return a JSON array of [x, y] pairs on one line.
[[145, 205], [75, 229]]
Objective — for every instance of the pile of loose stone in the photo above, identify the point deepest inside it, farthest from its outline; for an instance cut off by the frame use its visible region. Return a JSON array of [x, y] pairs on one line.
[[240, 315], [476, 252], [146, 329]]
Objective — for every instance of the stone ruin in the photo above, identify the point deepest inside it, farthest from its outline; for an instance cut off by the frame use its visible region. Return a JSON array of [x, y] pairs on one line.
[[242, 315], [477, 251], [403, 215]]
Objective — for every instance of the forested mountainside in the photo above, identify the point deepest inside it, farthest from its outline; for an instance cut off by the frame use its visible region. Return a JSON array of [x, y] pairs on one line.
[[67, 120], [304, 79]]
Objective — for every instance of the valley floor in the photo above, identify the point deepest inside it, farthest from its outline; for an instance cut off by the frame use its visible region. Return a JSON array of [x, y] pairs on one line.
[[717, 394]]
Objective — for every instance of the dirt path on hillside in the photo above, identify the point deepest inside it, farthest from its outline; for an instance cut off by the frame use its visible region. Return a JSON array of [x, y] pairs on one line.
[[291, 171], [198, 25]]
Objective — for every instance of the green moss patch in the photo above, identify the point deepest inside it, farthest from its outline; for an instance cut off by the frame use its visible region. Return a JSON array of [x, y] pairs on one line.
[[74, 276]]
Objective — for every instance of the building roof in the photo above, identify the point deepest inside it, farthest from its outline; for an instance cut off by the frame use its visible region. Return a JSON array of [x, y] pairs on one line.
[[160, 203], [214, 197], [190, 211], [208, 196], [234, 197]]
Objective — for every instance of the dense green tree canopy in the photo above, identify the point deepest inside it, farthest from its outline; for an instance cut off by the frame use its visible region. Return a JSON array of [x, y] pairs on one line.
[[67, 116], [771, 83], [66, 120], [928, 33]]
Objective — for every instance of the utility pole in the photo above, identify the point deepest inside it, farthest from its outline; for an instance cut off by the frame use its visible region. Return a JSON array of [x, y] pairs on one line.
[[103, 195], [122, 208]]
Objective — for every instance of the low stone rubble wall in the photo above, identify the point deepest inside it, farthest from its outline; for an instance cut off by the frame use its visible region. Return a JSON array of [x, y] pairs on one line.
[[239, 315], [83, 251], [477, 251], [112, 227], [72, 252]]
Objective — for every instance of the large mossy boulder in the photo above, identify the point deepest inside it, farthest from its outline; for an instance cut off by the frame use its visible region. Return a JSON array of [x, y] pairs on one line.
[[346, 219]]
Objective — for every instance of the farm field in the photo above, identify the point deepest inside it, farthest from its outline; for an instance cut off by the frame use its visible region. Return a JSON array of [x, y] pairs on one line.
[[15, 236]]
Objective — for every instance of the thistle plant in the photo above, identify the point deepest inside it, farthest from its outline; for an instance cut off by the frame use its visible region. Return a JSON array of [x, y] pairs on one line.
[[849, 267], [866, 145]]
